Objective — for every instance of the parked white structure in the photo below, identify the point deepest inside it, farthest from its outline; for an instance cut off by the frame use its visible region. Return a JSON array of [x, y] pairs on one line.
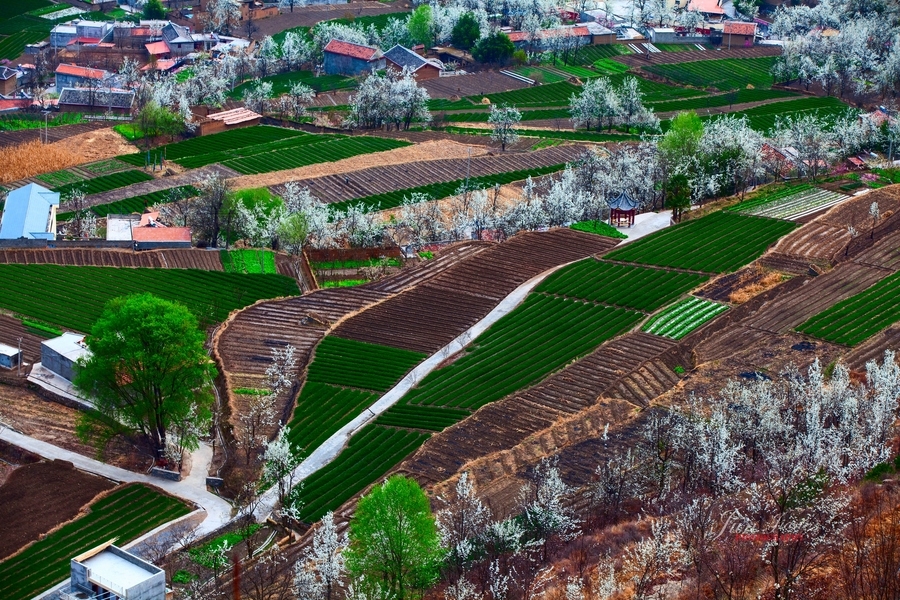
[[109, 573]]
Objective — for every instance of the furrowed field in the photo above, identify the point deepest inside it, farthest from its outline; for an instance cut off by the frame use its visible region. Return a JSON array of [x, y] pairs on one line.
[[725, 74], [853, 320], [718, 243], [679, 320], [73, 297], [104, 183], [125, 514]]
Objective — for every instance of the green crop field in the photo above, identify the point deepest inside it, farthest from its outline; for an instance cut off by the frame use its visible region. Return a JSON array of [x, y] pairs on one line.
[[417, 416], [282, 83], [104, 183], [717, 243], [527, 115], [762, 118], [14, 45], [599, 228], [443, 190], [73, 297], [724, 74], [126, 514], [768, 197], [590, 54], [851, 321], [135, 204], [250, 261], [609, 67], [234, 140], [323, 409], [361, 365], [540, 74], [57, 179], [625, 286], [370, 453], [684, 317], [573, 136], [735, 97], [538, 337], [313, 153]]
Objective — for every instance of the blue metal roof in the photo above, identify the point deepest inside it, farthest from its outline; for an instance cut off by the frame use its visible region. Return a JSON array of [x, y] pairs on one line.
[[27, 213]]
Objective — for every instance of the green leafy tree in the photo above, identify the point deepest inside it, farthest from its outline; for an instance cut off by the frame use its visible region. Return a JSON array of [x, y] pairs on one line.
[[678, 194], [466, 32], [421, 25], [154, 10], [394, 544], [682, 141], [148, 373], [495, 48]]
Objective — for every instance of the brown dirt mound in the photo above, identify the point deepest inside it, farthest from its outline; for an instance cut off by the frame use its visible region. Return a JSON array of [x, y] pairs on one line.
[[856, 211], [38, 497]]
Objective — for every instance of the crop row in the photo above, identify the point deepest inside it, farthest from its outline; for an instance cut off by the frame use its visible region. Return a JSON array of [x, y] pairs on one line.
[[289, 144], [227, 140], [436, 191], [361, 365], [736, 97], [369, 454], [679, 320], [720, 242], [74, 297], [104, 183], [322, 410], [724, 74], [59, 178], [418, 416], [799, 204], [626, 286], [250, 261], [125, 514], [768, 197], [538, 337], [310, 154], [853, 320], [12, 47]]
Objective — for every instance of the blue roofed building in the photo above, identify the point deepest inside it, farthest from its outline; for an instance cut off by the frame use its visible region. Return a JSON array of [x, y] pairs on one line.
[[30, 213]]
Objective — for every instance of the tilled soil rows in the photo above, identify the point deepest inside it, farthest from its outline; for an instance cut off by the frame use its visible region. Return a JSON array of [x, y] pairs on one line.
[[11, 329], [473, 84], [55, 134], [670, 58], [38, 497], [429, 316], [162, 259], [506, 423], [378, 180], [814, 243], [873, 348]]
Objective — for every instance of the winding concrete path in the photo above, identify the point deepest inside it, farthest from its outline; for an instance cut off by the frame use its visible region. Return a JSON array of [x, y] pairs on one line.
[[645, 224], [192, 488]]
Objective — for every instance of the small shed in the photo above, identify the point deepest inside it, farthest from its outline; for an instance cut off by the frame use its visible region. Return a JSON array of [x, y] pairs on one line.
[[738, 35], [399, 57], [60, 354], [9, 357], [346, 58], [622, 210]]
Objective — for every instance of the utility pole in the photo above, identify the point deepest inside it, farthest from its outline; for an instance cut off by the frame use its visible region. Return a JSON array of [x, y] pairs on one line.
[[19, 360]]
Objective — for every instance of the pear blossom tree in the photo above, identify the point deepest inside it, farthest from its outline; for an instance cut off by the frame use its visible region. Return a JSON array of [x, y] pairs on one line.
[[321, 567], [504, 120]]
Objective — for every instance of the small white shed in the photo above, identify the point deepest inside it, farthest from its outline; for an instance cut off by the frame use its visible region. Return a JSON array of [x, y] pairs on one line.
[[9, 357]]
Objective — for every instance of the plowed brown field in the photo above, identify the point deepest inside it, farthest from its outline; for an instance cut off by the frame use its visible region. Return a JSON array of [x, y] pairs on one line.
[[192, 258]]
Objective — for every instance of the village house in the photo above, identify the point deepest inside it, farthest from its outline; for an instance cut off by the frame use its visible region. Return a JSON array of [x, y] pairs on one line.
[[107, 571], [146, 232], [59, 354], [422, 69], [8, 81], [738, 35], [96, 100], [345, 58], [72, 76], [29, 213], [10, 357]]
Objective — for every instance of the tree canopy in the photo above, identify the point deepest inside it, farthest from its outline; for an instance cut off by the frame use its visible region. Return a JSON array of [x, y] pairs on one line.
[[394, 545], [466, 32], [154, 10], [495, 48], [148, 373], [421, 25]]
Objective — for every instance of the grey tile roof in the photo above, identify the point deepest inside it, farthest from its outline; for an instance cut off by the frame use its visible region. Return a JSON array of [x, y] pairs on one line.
[[102, 98], [404, 57]]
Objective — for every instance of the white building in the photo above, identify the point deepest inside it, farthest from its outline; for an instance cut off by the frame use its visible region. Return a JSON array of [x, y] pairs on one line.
[[110, 573]]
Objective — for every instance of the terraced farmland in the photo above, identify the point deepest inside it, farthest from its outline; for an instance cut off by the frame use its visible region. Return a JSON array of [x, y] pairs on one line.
[[135, 204], [718, 243], [126, 513], [792, 203], [859, 317], [73, 297], [312, 153], [625, 286], [684, 317], [559, 94], [323, 409], [359, 364], [735, 97], [104, 183], [725, 74]]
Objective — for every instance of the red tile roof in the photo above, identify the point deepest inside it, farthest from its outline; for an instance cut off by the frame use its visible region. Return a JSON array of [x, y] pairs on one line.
[[351, 50], [706, 6], [737, 28], [521, 36], [84, 40], [75, 70], [157, 48]]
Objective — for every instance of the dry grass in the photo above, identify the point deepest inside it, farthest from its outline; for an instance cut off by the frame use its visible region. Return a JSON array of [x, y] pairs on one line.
[[757, 286], [34, 158], [433, 150]]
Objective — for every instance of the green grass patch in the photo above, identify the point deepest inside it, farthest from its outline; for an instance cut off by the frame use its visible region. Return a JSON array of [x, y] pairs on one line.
[[624, 286], [445, 189], [340, 361], [249, 261], [104, 183], [331, 265], [684, 317], [42, 328], [206, 555], [20, 121], [600, 228], [609, 67], [127, 513], [130, 132], [343, 283], [282, 83], [252, 391], [858, 317], [718, 243], [74, 297]]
